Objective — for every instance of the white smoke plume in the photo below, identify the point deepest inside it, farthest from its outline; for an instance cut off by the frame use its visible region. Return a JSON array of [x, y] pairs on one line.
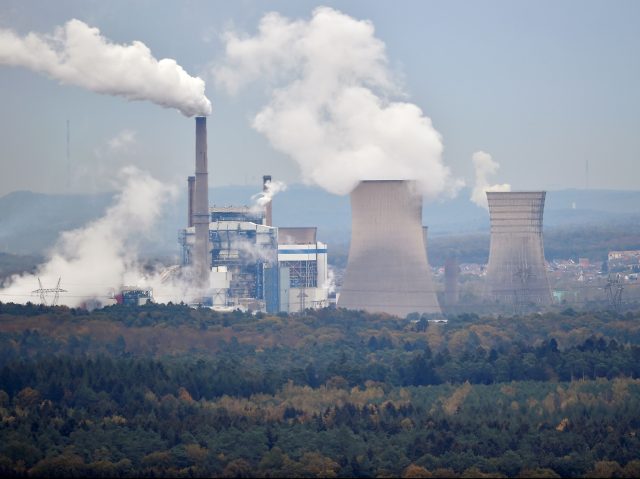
[[77, 54], [329, 106], [253, 252], [122, 141], [330, 284], [262, 199], [485, 167], [102, 255]]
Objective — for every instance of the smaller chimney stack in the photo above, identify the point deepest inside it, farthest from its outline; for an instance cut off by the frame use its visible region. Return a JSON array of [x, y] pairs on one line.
[[268, 211], [191, 182], [451, 284]]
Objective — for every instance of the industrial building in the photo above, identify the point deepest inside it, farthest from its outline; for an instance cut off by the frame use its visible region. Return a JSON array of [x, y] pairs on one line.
[[240, 248], [305, 258], [134, 296], [239, 260], [516, 272], [260, 267], [387, 270]]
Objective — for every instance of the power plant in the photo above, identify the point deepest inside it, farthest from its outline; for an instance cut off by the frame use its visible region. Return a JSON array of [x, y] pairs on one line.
[[516, 273], [387, 270], [238, 259], [234, 257]]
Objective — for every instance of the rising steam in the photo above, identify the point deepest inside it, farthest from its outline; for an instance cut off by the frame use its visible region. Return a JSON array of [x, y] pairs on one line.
[[329, 105], [102, 255], [485, 166], [77, 54], [262, 199]]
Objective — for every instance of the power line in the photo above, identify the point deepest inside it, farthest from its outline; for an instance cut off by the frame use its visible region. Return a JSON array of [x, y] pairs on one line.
[[44, 291]]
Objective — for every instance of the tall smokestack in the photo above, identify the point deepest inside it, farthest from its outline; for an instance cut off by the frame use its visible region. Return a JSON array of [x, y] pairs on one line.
[[191, 183], [201, 262], [451, 285], [516, 272], [387, 269], [268, 210]]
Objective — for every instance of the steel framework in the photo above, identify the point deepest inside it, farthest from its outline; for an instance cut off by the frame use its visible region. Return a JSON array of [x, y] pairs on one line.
[[44, 291]]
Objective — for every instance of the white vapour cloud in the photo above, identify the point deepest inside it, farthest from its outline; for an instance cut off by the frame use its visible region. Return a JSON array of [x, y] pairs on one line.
[[122, 141], [103, 254], [485, 167], [77, 54], [330, 283], [262, 199], [329, 106]]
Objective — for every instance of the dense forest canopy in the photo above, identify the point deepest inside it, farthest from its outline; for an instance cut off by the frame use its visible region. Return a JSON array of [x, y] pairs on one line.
[[174, 391]]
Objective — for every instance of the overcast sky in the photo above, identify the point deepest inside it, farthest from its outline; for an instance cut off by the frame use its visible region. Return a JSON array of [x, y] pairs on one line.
[[543, 87]]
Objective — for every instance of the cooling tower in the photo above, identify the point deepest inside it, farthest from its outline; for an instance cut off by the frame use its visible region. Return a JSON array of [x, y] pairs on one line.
[[387, 269], [516, 272], [268, 209], [201, 260]]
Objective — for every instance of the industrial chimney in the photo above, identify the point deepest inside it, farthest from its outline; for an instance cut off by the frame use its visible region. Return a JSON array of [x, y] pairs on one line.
[[201, 261], [516, 272], [451, 284], [191, 180], [387, 269], [268, 210]]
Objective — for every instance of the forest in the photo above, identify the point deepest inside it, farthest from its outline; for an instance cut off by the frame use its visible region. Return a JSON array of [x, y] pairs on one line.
[[167, 390]]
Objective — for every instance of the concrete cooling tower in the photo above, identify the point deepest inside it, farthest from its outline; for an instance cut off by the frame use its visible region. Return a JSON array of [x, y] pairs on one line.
[[387, 269], [516, 272]]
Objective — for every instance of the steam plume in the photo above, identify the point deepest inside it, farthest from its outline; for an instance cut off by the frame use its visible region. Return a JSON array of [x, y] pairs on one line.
[[77, 54], [263, 198], [485, 166], [102, 254], [329, 110]]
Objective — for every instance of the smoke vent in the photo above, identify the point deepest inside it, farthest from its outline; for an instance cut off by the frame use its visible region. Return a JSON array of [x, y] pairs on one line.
[[387, 269], [268, 211], [516, 271], [451, 285], [201, 261]]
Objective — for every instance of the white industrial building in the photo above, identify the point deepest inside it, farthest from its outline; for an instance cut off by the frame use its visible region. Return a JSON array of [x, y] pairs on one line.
[[258, 267], [305, 258]]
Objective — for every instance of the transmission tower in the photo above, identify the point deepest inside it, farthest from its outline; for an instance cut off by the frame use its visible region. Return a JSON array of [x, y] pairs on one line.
[[614, 290], [45, 291]]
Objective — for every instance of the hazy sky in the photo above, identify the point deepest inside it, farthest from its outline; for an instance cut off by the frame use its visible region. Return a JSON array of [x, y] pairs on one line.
[[541, 86]]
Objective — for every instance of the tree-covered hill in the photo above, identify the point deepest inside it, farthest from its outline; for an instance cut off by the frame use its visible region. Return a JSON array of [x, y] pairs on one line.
[[173, 391]]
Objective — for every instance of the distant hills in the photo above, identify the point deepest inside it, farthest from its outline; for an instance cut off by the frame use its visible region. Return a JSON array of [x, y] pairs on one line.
[[31, 222]]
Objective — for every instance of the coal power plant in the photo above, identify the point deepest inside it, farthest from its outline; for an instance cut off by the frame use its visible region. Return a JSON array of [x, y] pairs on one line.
[[236, 259], [516, 273], [387, 270]]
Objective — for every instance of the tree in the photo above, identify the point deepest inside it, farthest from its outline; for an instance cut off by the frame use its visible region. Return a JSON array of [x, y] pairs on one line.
[[415, 471]]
